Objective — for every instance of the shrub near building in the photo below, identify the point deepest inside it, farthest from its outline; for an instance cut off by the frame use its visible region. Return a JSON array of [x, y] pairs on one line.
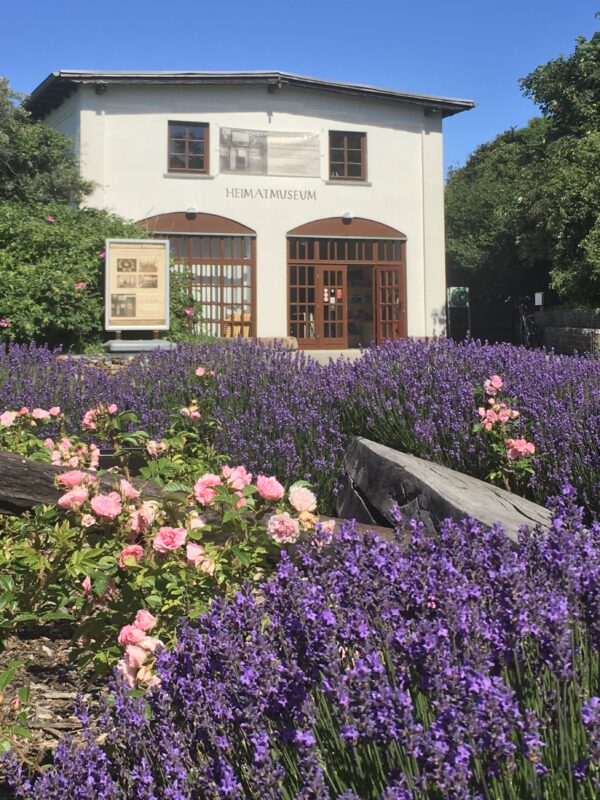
[[51, 270]]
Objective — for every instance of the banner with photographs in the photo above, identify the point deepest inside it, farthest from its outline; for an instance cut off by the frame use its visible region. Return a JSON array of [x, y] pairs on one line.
[[269, 153], [137, 284]]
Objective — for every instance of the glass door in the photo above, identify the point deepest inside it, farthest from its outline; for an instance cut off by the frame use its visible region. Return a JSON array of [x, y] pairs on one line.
[[390, 303], [317, 305]]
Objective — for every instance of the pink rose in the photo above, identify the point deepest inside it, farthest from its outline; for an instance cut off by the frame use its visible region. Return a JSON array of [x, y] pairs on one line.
[[168, 539], [519, 448], [7, 418], [39, 413], [196, 521], [269, 488], [112, 408], [203, 490], [102, 254], [87, 423], [86, 585], [200, 372], [194, 553], [24, 410], [127, 673], [128, 490], [79, 286], [133, 551], [155, 448], [283, 528], [130, 634], [208, 565], [54, 411], [302, 499], [75, 497], [236, 477], [50, 218], [87, 520], [504, 415], [107, 506], [144, 620], [135, 656], [144, 516], [189, 312], [4, 322], [72, 478]]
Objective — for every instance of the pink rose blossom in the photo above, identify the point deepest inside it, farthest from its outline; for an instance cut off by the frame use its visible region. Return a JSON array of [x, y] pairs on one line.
[[133, 551], [144, 620], [302, 499], [130, 634], [208, 566], [168, 539], [196, 521], [79, 286], [269, 488], [150, 644], [39, 413], [54, 411], [4, 322], [194, 553], [127, 674], [24, 410], [102, 254], [519, 448], [7, 418], [86, 585], [87, 520], [135, 656], [236, 477], [87, 423], [189, 311], [504, 415], [75, 497], [203, 490], [128, 490], [72, 478], [112, 408], [283, 528], [107, 506], [200, 372], [155, 448], [50, 218], [144, 516]]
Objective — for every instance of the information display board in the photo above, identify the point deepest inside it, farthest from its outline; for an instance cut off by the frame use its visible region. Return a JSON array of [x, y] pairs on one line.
[[137, 285]]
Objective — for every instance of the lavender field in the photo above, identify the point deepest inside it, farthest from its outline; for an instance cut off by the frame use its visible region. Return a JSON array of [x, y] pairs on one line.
[[280, 412]]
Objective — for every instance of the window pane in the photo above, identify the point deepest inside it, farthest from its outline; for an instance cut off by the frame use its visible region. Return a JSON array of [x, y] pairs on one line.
[[176, 162], [197, 133], [196, 162], [177, 146], [177, 131], [354, 156], [336, 139], [354, 170], [336, 155], [195, 147], [354, 140]]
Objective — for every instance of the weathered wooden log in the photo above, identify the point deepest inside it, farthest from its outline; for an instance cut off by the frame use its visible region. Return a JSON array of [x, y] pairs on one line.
[[379, 477], [25, 483]]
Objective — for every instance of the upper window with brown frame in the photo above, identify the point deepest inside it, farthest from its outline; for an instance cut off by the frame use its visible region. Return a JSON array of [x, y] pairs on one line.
[[188, 147], [347, 156]]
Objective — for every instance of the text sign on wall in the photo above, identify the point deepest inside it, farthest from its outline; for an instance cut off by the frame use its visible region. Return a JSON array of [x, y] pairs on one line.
[[269, 153], [137, 285]]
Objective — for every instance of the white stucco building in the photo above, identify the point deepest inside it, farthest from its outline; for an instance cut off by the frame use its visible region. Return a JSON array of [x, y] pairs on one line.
[[302, 207]]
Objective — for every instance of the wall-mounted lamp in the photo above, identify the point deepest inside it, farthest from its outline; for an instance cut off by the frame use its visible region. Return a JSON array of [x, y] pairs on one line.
[[347, 217], [191, 210]]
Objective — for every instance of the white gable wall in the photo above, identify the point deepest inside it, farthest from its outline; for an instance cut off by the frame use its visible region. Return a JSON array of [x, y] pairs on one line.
[[123, 149]]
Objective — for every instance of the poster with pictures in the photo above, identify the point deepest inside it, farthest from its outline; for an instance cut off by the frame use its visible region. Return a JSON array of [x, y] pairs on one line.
[[285, 153], [137, 284]]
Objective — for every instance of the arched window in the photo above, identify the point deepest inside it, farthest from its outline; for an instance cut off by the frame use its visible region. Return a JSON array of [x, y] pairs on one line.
[[219, 257]]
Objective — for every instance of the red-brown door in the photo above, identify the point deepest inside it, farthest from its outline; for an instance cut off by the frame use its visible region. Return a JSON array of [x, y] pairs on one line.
[[390, 303], [317, 305]]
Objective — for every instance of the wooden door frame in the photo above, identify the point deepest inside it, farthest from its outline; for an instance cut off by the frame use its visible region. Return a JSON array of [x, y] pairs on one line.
[[403, 326]]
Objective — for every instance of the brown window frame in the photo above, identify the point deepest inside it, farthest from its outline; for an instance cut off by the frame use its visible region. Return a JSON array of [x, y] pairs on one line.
[[345, 163], [186, 154]]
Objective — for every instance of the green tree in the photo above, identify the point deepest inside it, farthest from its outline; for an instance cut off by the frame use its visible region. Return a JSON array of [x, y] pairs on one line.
[[37, 164], [524, 211]]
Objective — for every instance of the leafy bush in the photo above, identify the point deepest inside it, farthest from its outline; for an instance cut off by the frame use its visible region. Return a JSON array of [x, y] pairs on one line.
[[457, 666]]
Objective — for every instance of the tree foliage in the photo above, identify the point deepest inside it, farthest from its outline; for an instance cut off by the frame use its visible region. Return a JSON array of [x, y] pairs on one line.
[[37, 164], [524, 211]]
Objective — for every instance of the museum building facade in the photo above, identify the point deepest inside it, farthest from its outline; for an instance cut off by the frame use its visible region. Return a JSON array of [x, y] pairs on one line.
[[297, 206]]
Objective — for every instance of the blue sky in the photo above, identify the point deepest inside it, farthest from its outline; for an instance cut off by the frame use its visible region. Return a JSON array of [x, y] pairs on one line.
[[475, 49]]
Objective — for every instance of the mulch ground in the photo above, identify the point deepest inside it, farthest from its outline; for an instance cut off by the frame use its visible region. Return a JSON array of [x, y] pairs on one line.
[[56, 686]]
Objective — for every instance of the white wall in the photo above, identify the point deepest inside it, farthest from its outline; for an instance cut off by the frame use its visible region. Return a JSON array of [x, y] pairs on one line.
[[123, 148]]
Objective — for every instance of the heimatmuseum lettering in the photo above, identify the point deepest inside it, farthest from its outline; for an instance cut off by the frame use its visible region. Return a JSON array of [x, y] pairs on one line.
[[271, 194]]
